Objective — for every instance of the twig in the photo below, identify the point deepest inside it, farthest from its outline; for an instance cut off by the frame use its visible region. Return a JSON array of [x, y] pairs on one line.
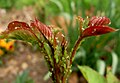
[[75, 48]]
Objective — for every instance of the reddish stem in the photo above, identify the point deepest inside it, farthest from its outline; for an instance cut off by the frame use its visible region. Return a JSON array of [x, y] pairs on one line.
[[81, 24], [75, 48], [79, 39]]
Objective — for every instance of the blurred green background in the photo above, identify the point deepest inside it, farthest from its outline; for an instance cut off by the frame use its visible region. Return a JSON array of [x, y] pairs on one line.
[[98, 52]]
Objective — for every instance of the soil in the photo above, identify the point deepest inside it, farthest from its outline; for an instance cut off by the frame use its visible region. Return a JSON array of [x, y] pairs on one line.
[[23, 58]]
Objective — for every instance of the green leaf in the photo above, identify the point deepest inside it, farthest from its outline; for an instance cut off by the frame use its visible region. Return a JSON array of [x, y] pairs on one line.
[[24, 78], [47, 76], [48, 51], [101, 66], [114, 62], [91, 76], [58, 4], [111, 78], [20, 35], [58, 53]]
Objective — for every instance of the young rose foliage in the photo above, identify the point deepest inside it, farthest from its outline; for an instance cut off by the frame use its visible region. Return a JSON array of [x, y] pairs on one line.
[[36, 32], [20, 31], [97, 26], [44, 29]]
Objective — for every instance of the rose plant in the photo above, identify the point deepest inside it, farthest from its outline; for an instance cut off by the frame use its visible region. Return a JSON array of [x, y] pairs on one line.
[[54, 44]]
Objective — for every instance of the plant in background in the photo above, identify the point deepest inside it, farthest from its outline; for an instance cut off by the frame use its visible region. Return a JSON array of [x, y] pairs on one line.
[[53, 43], [24, 78], [6, 46]]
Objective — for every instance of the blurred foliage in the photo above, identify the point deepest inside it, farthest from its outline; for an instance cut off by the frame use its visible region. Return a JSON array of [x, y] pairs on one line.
[[18, 4], [6, 3], [24, 78], [21, 3], [111, 78], [91, 75]]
